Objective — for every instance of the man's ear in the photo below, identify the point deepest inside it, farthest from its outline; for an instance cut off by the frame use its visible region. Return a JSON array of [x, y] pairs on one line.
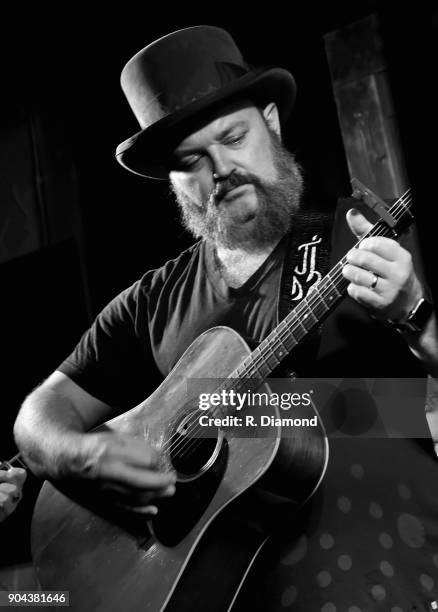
[[270, 113]]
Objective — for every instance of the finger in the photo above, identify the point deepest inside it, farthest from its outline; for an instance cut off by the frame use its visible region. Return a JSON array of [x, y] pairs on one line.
[[121, 495], [17, 475], [151, 510], [357, 223], [103, 449], [362, 277], [135, 452], [365, 296], [12, 492], [7, 506], [137, 506], [142, 502], [387, 248], [369, 261], [167, 492], [137, 478], [146, 510], [8, 488]]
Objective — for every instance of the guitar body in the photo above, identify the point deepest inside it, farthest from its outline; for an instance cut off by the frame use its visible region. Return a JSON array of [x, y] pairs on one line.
[[116, 560]]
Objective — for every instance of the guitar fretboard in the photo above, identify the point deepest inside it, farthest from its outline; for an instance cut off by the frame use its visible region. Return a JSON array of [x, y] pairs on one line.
[[312, 310]]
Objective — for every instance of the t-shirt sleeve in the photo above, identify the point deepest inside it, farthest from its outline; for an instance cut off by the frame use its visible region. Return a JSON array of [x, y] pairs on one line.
[[113, 360]]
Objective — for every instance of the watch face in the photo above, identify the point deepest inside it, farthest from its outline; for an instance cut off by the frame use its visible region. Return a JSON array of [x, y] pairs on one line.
[[420, 315]]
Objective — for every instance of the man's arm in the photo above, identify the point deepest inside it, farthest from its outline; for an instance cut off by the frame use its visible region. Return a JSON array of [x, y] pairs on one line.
[[51, 431], [396, 290]]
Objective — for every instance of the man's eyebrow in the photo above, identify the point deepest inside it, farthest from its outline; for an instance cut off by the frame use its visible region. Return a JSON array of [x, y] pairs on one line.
[[242, 123]]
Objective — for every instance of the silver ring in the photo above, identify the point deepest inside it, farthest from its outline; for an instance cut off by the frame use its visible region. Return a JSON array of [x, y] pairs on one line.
[[374, 283]]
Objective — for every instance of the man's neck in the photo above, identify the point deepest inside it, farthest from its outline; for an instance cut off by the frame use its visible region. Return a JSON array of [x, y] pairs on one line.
[[238, 265]]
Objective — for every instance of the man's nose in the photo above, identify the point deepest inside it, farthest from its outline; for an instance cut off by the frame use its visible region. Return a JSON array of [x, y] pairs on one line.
[[222, 166]]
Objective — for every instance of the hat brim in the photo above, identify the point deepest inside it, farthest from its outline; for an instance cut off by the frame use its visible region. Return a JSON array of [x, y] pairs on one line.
[[145, 153]]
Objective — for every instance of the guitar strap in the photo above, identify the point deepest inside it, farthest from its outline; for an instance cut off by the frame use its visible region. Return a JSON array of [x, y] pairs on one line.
[[306, 261]]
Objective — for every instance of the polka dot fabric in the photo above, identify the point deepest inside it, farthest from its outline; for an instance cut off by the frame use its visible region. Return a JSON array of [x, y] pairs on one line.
[[367, 541]]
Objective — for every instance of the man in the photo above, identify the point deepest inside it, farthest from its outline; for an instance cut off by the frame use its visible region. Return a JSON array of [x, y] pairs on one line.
[[213, 127]]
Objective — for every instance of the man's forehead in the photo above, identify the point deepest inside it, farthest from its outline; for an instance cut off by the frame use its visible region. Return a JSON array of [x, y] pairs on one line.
[[221, 120]]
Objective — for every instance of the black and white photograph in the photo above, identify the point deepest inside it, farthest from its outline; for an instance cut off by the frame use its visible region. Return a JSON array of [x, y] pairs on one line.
[[218, 335]]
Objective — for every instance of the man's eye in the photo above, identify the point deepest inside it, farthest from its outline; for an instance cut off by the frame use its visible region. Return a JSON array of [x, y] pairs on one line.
[[237, 139], [188, 163]]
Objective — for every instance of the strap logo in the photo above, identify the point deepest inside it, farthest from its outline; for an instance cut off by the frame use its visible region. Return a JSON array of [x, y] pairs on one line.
[[305, 274]]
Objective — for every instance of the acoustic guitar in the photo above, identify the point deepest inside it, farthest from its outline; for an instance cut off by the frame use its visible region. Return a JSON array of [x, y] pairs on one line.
[[114, 560]]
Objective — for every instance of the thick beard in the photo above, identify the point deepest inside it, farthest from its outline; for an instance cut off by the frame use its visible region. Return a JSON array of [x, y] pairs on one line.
[[278, 201]]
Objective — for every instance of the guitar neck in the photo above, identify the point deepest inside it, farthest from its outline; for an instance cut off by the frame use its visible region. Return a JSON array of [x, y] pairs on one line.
[[314, 308]]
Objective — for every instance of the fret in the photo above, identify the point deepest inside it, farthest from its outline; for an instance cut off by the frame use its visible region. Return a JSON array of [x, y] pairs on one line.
[[310, 311], [285, 344], [321, 304], [254, 365], [301, 331], [307, 316], [242, 370], [272, 361], [238, 372], [250, 365], [251, 384], [245, 368], [261, 369], [334, 293], [267, 346], [291, 340], [284, 337]]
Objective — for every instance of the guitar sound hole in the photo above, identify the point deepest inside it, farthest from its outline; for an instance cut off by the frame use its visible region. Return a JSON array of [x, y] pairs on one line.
[[192, 455]]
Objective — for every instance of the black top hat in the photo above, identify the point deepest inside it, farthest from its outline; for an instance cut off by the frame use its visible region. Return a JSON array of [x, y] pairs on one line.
[[175, 81]]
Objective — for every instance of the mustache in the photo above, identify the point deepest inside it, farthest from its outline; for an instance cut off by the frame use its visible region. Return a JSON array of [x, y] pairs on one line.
[[232, 181]]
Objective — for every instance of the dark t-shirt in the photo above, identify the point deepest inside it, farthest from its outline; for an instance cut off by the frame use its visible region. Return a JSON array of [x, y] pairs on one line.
[[153, 322], [368, 539]]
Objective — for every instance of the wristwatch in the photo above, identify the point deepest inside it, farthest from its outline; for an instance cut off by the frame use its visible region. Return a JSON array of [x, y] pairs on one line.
[[417, 318]]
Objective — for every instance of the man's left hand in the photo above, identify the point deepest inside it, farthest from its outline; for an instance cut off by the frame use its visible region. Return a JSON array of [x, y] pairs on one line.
[[381, 273]]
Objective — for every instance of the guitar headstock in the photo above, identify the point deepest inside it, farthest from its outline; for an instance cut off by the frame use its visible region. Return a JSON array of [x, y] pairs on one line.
[[393, 220]]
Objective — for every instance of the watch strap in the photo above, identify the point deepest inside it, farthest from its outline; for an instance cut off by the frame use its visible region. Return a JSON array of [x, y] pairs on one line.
[[416, 319]]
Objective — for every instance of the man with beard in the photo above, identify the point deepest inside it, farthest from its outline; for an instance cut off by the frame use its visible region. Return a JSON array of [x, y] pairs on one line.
[[213, 127]]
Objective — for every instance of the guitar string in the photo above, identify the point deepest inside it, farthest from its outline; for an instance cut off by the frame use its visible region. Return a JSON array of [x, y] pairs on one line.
[[288, 326], [286, 330], [190, 444], [400, 205]]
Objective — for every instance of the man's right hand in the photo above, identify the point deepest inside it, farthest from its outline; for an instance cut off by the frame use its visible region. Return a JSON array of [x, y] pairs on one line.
[[125, 469], [11, 484], [51, 431]]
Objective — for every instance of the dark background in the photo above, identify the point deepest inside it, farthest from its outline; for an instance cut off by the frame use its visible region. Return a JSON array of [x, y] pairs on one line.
[[63, 68]]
